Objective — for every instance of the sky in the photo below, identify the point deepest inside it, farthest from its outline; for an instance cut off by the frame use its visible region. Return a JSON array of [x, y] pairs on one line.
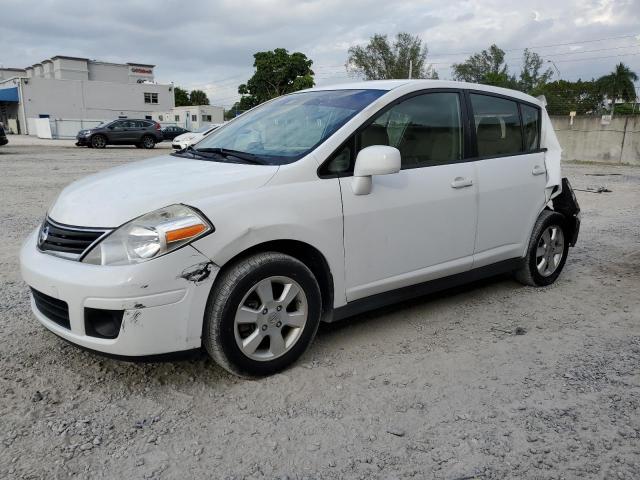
[[210, 44]]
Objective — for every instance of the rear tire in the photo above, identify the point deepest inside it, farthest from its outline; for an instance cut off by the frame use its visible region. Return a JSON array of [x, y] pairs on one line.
[[547, 251], [98, 141], [148, 142], [262, 314]]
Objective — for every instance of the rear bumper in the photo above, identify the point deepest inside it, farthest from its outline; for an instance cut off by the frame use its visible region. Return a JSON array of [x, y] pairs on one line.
[[163, 306], [567, 204]]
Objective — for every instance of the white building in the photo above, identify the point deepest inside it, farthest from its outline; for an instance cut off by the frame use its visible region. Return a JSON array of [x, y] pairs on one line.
[[71, 89], [192, 117]]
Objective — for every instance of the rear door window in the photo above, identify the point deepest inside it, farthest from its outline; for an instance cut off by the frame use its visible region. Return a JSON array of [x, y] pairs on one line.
[[497, 124]]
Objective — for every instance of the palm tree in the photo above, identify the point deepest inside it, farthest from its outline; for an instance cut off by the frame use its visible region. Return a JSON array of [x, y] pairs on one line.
[[619, 84]]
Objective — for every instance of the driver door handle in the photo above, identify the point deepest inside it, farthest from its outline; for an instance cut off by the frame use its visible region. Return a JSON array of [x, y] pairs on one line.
[[538, 170], [461, 182]]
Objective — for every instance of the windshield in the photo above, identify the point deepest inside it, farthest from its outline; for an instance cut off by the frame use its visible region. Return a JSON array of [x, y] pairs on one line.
[[289, 127]]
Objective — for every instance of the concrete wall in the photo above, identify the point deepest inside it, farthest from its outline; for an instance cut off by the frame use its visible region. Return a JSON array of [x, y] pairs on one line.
[[92, 100], [67, 68], [47, 69], [588, 140], [6, 73], [108, 72]]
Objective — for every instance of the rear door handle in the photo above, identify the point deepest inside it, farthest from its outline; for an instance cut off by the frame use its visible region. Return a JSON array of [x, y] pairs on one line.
[[461, 182], [538, 170]]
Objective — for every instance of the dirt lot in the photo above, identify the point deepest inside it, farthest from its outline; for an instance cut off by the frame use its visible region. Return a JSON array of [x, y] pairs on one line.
[[434, 388]]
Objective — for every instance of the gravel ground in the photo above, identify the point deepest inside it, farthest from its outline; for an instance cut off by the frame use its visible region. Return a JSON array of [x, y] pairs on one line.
[[440, 387]]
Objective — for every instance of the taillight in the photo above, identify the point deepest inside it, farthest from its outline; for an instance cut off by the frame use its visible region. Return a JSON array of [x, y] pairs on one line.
[[158, 127]]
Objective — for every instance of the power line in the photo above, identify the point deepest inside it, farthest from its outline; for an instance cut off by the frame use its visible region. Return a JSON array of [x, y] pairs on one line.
[[560, 61], [589, 51], [597, 58], [538, 46]]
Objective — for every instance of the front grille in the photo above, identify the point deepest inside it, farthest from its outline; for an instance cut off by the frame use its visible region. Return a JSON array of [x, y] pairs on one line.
[[55, 310], [67, 241]]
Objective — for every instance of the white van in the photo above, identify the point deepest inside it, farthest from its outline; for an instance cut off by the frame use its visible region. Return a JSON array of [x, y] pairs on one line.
[[312, 207]]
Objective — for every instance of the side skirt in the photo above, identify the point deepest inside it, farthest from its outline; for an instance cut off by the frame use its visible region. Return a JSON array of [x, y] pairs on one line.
[[406, 293]]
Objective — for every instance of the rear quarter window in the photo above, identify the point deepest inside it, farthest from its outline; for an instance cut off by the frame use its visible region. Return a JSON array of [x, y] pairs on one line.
[[531, 127]]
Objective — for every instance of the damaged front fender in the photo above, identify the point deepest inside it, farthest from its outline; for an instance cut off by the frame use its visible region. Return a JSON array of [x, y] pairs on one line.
[[198, 273]]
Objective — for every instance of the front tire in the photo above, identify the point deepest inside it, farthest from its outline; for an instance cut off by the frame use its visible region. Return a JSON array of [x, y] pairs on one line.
[[262, 314], [547, 251], [98, 141]]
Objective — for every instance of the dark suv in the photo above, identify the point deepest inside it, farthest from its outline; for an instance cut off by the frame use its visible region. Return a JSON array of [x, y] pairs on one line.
[[126, 131], [3, 136]]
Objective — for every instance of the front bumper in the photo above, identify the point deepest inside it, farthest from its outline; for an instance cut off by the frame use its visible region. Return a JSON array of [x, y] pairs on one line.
[[163, 300], [82, 140]]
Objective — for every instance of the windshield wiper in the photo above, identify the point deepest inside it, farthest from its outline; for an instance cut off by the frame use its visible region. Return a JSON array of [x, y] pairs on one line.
[[192, 151], [227, 152]]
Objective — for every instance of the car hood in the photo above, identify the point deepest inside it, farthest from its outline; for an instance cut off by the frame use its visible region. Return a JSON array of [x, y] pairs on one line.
[[187, 136], [115, 196]]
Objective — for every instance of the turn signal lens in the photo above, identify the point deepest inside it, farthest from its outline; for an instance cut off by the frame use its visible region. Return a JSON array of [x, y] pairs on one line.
[[185, 233]]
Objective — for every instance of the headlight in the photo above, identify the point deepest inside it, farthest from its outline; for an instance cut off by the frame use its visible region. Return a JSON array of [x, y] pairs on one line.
[[150, 236]]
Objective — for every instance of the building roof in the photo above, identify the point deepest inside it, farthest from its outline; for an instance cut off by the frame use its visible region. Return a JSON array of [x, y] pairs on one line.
[[64, 57], [140, 65], [13, 69]]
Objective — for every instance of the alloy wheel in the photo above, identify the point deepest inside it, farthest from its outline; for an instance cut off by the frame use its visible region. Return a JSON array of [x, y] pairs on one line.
[[270, 318], [550, 250]]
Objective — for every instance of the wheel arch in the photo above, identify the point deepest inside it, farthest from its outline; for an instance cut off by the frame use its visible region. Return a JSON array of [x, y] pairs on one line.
[[99, 134], [307, 254]]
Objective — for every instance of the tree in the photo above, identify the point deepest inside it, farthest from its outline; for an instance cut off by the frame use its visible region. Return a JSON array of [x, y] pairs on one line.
[[198, 97], [235, 110], [277, 72], [484, 67], [563, 97], [531, 78], [489, 67], [618, 85], [379, 60], [181, 97]]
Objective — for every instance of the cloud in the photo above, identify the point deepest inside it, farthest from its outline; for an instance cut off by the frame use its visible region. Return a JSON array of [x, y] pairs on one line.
[[210, 44]]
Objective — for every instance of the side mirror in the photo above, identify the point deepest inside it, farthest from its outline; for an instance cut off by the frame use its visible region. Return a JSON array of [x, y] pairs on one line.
[[374, 160]]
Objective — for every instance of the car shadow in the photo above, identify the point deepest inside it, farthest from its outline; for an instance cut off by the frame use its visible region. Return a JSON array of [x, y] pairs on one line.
[[381, 313]]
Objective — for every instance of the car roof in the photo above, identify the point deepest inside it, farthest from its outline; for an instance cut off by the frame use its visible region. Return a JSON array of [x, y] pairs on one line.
[[411, 85], [134, 119]]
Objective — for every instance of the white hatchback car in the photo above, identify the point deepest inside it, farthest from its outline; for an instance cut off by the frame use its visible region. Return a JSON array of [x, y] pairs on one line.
[[311, 207], [191, 138]]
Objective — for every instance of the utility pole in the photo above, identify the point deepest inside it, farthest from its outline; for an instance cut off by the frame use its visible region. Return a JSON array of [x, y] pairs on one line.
[[410, 68]]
